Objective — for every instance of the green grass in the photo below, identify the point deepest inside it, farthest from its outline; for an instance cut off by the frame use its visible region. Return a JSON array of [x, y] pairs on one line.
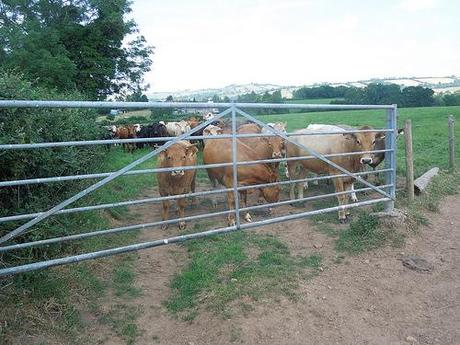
[[223, 269]]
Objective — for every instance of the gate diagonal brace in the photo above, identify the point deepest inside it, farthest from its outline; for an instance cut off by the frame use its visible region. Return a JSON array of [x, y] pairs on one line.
[[313, 152], [18, 231]]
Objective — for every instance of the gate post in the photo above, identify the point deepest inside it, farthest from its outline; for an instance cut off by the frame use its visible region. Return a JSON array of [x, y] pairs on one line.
[[236, 195], [390, 157]]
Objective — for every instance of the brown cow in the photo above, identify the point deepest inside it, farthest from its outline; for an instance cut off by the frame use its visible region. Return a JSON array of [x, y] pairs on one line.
[[328, 144], [126, 132], [269, 147], [220, 151], [193, 122], [178, 181]]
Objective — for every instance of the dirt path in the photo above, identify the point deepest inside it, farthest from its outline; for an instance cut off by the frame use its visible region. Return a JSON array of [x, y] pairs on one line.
[[368, 299]]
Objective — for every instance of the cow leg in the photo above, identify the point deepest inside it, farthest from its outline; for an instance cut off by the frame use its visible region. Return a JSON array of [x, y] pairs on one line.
[[230, 204], [291, 174], [165, 213], [193, 188], [181, 207], [342, 199], [215, 186], [244, 204], [352, 195], [260, 198], [301, 185]]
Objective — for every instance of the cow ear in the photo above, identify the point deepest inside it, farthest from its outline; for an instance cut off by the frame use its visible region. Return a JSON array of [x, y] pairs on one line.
[[191, 150], [162, 155], [350, 136], [380, 135]]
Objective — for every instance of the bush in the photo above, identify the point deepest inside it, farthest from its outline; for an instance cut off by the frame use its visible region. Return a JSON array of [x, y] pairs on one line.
[[35, 125]]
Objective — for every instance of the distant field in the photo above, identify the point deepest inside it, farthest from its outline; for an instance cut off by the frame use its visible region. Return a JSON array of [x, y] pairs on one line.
[[429, 130]]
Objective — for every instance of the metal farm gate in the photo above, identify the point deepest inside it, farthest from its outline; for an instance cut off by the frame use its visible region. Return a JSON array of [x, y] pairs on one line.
[[387, 191]]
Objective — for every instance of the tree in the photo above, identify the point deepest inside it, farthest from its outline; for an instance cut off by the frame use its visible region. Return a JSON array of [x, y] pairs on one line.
[[417, 96], [74, 45]]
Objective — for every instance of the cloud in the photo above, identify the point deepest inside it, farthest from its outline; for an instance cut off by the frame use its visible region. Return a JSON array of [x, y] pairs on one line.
[[417, 5]]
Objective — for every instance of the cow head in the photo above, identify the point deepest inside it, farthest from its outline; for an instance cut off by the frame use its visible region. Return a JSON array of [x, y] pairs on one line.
[[212, 130], [137, 127], [364, 142], [208, 116], [279, 126], [276, 145], [178, 156], [378, 157], [113, 129], [184, 126]]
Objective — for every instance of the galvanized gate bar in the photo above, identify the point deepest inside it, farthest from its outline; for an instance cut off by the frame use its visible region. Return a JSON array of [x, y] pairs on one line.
[[316, 154], [173, 197], [162, 139], [185, 105], [390, 160], [176, 239], [171, 221], [236, 195], [13, 183], [99, 184]]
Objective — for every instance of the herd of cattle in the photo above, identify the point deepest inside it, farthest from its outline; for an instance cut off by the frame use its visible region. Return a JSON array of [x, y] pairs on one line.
[[338, 139]]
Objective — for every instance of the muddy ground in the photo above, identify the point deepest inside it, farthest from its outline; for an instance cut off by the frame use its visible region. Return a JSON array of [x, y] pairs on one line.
[[367, 299]]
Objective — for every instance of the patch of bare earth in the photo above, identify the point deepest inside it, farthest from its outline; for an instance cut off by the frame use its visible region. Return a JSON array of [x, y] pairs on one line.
[[367, 299]]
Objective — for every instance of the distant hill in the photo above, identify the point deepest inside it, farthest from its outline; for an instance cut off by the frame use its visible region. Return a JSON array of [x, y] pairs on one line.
[[438, 84]]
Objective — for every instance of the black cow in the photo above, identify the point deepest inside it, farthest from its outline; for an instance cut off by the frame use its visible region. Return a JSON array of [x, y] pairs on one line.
[[155, 130]]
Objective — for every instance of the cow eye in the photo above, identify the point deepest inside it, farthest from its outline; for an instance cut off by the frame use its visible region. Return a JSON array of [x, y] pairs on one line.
[[358, 142]]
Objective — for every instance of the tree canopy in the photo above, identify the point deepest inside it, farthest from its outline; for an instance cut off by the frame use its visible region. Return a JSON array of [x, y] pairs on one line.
[[80, 45]]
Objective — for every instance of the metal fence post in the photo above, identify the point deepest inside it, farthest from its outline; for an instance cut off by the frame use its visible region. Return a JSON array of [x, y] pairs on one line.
[[236, 195], [390, 157], [451, 125]]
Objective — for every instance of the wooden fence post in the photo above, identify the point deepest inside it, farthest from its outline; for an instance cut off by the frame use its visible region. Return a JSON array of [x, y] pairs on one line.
[[451, 125], [409, 160]]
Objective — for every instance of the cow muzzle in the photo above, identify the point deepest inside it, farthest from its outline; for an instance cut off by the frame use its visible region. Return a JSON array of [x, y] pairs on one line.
[[277, 155], [177, 173], [366, 160]]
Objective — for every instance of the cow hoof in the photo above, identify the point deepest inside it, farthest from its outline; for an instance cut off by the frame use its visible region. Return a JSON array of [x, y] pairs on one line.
[[248, 218], [182, 225], [214, 204], [164, 226]]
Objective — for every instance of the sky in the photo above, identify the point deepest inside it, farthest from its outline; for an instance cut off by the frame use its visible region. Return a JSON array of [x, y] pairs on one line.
[[214, 43]]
